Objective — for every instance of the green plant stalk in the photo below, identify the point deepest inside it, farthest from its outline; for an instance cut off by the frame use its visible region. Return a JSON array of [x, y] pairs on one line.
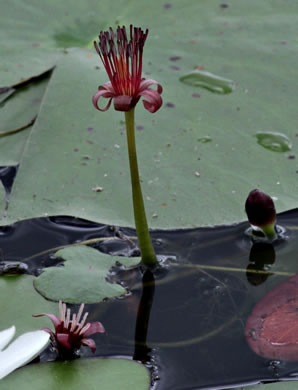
[[269, 230], [147, 252]]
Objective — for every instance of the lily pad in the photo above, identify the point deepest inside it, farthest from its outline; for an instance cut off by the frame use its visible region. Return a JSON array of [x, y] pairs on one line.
[[19, 301], [185, 182], [17, 114], [5, 93], [21, 108], [106, 374], [33, 39], [271, 329], [83, 277]]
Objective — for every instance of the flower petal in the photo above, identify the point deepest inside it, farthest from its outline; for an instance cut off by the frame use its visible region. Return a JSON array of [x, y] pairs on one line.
[[123, 103], [63, 339], [145, 83], [107, 91], [90, 343], [6, 335], [154, 100], [55, 320], [24, 349], [95, 327]]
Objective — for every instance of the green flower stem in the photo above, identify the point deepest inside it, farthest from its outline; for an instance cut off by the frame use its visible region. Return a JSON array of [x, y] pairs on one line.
[[269, 230], [145, 243]]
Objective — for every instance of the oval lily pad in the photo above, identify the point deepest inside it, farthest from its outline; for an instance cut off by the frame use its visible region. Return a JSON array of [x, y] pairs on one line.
[[83, 277], [271, 329], [103, 374]]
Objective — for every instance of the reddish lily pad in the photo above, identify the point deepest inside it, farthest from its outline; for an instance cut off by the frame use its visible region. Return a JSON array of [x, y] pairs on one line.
[[272, 328]]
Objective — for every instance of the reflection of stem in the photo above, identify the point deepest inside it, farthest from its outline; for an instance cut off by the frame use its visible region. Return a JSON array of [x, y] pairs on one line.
[[145, 243], [141, 349]]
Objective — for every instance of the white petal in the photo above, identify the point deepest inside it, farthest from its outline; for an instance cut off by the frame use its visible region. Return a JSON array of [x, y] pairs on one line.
[[24, 349], [6, 335]]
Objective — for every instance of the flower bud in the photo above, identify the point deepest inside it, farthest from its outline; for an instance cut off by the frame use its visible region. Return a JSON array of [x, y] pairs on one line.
[[261, 212]]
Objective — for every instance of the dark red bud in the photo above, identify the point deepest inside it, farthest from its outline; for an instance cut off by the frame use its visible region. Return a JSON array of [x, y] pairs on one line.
[[260, 208]]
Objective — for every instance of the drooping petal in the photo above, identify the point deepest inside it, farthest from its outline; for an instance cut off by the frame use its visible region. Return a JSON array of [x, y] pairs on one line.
[[63, 339], [153, 100], [24, 349], [6, 335], [48, 330], [145, 83], [90, 343], [55, 320], [95, 327], [106, 90], [123, 103]]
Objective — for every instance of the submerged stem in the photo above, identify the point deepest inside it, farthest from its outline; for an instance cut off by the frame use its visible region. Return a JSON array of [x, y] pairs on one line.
[[145, 243]]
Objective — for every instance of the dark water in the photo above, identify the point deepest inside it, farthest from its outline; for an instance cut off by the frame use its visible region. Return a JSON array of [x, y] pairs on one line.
[[195, 306]]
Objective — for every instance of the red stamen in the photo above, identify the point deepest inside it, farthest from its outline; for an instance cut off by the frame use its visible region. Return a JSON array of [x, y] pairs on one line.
[[123, 59]]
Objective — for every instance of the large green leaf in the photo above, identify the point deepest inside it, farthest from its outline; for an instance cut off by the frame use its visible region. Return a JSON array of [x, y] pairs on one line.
[[83, 277], [33, 38], [104, 374], [186, 182], [19, 301], [16, 114]]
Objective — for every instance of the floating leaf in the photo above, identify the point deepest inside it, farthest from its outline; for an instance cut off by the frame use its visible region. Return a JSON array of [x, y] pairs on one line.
[[5, 93], [83, 277], [19, 300], [16, 116], [105, 374], [271, 329], [90, 147]]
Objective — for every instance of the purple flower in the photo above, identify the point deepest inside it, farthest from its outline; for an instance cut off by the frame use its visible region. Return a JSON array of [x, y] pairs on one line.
[[260, 208], [71, 333], [123, 63]]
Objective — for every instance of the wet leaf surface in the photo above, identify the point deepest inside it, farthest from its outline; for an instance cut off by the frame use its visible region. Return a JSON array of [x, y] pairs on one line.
[[90, 147], [83, 278], [271, 329], [19, 300], [107, 374]]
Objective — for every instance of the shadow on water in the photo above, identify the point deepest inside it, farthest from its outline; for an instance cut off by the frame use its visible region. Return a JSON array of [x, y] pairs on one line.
[[185, 320]]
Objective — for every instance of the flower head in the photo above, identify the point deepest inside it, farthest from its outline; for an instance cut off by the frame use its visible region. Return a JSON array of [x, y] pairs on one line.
[[71, 333], [260, 208], [261, 212], [123, 62]]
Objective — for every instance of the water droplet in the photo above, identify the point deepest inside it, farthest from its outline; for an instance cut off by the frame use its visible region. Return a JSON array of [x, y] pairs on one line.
[[276, 142], [205, 139], [207, 80]]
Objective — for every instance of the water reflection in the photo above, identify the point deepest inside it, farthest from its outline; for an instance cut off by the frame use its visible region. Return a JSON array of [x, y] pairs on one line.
[[261, 257], [142, 351]]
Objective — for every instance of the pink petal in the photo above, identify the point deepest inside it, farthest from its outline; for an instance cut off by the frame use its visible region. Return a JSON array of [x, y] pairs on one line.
[[90, 343], [48, 331], [55, 320], [154, 100], [95, 327], [106, 90], [63, 339], [145, 83], [123, 103]]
